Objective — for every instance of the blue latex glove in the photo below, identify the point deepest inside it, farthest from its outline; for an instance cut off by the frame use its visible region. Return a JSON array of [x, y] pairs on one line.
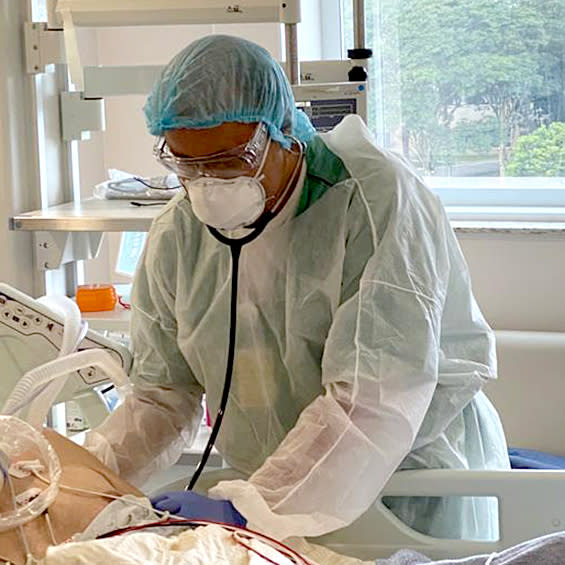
[[196, 506]]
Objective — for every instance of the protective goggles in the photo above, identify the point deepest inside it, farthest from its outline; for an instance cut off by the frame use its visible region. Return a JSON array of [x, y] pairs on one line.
[[238, 161]]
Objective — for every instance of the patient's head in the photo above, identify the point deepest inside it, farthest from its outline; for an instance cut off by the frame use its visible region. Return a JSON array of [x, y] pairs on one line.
[[70, 512]]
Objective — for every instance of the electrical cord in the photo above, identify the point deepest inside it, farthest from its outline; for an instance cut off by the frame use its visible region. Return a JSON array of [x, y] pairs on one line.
[[116, 185], [141, 204]]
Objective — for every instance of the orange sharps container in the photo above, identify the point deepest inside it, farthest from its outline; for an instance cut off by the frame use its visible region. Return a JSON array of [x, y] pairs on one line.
[[96, 297]]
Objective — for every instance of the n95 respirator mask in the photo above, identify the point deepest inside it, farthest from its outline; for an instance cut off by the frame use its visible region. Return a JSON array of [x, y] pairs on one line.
[[226, 204]]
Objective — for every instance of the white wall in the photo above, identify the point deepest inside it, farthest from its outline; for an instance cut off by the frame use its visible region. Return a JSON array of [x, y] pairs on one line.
[[519, 281], [19, 190]]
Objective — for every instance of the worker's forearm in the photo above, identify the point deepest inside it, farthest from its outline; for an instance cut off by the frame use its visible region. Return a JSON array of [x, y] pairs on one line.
[[147, 432]]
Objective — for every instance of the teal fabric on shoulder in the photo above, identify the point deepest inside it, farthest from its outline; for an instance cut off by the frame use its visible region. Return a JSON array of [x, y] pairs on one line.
[[324, 170]]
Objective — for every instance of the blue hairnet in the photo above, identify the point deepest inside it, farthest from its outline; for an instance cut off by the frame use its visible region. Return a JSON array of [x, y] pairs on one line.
[[221, 78]]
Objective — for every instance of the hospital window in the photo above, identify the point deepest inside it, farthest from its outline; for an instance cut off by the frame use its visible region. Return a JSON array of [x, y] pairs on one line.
[[472, 93]]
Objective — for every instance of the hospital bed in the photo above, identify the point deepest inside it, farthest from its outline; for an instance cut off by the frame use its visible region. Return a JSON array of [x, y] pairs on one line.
[[528, 395]]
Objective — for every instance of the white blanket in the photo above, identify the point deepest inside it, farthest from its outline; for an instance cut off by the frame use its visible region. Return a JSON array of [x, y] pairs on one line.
[[203, 545]]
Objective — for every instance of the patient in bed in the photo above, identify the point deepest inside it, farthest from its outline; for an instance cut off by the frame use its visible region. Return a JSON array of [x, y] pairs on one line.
[[71, 512], [74, 512]]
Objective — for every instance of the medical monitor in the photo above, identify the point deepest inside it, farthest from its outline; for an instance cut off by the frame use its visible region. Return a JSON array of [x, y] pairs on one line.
[[326, 104]]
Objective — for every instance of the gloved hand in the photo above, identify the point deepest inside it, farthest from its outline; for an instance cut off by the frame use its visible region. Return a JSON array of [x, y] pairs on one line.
[[196, 506]]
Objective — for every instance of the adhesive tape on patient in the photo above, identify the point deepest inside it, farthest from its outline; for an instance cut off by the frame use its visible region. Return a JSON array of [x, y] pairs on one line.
[[22, 469], [27, 496]]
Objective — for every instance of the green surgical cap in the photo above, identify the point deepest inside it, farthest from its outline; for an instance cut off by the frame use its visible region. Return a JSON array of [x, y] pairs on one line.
[[221, 78]]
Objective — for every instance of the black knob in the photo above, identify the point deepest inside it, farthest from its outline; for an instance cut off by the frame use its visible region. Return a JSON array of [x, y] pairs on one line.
[[357, 74], [360, 53]]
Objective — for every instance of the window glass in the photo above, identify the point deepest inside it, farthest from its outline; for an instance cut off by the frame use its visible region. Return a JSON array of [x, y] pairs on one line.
[[469, 88]]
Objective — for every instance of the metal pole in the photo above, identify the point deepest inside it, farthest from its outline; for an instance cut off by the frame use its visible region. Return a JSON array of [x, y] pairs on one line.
[[53, 19], [359, 54], [291, 41], [359, 23]]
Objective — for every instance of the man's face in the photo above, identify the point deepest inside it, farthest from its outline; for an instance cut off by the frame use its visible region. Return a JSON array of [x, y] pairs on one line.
[[271, 161]]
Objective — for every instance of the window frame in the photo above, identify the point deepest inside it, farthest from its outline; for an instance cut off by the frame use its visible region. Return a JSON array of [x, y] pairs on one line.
[[519, 198]]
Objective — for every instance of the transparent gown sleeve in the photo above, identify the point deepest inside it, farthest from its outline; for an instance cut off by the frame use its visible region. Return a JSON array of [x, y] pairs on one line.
[[147, 432], [380, 369], [161, 416]]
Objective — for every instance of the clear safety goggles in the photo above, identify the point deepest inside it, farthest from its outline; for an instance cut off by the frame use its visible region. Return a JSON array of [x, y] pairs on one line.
[[242, 160]]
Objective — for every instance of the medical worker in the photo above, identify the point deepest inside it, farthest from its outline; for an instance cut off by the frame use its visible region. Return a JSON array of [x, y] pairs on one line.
[[360, 348]]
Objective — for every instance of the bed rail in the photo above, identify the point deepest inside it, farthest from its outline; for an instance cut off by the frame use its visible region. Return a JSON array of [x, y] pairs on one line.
[[530, 504]]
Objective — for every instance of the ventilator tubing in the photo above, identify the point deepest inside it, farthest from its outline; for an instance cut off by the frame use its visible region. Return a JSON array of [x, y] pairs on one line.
[[74, 330], [33, 384], [26, 441]]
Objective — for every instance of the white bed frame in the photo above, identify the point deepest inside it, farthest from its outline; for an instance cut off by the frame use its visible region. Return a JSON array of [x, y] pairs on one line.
[[529, 396]]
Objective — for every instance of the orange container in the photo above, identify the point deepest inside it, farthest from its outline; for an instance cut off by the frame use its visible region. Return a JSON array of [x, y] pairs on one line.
[[96, 297]]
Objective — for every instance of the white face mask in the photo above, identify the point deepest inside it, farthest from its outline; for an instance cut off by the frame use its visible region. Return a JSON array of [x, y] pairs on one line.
[[228, 204]]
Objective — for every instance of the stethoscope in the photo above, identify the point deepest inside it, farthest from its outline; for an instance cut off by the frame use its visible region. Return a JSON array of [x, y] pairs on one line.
[[236, 245]]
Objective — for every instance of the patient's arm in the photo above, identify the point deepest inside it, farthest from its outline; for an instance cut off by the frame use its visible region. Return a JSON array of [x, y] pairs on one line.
[[71, 512]]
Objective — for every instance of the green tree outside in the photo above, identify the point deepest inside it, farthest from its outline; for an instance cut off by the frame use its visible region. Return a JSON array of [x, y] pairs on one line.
[[436, 59], [540, 154]]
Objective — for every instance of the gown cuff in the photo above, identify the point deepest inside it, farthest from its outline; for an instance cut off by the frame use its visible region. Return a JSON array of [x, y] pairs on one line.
[[249, 502]]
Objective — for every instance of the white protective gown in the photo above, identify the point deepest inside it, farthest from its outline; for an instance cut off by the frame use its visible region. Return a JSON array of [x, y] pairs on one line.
[[360, 349]]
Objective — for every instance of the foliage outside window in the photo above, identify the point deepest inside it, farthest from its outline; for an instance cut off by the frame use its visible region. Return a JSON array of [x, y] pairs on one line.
[[469, 87]]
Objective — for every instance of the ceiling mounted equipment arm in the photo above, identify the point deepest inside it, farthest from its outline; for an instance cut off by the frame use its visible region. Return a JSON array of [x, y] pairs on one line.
[[105, 13]]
